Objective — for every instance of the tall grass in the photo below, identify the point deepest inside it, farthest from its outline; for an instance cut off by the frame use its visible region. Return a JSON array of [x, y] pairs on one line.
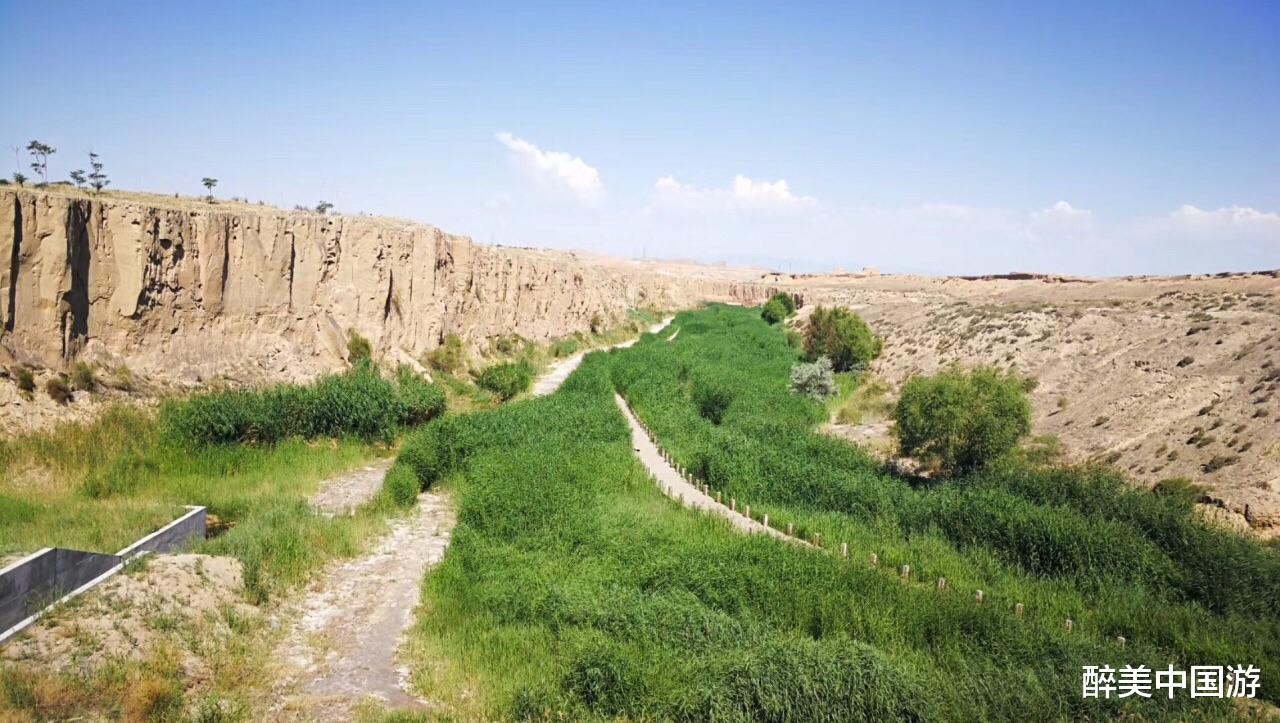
[[1080, 540], [358, 403], [573, 590]]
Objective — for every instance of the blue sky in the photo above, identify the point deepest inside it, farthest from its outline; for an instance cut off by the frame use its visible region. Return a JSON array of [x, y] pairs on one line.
[[1103, 138]]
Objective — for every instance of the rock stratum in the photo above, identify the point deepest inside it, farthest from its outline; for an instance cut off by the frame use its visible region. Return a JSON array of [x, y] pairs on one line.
[[191, 291]]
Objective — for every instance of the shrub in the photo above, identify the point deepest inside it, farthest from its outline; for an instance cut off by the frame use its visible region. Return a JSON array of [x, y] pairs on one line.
[[450, 357], [358, 348], [773, 311], [506, 380], [1181, 489], [357, 403], [401, 483], [962, 421], [814, 379], [417, 400], [25, 378], [841, 336], [564, 348], [596, 323], [58, 390], [712, 398], [82, 377]]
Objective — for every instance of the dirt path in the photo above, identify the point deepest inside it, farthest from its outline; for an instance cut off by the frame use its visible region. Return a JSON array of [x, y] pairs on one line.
[[346, 628], [341, 495], [674, 485], [560, 371]]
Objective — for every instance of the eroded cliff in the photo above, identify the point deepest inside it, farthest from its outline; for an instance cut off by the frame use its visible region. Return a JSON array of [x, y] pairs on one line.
[[189, 290]]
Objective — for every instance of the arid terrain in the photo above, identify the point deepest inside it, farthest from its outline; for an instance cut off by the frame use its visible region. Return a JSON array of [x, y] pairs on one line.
[[160, 293], [1162, 377]]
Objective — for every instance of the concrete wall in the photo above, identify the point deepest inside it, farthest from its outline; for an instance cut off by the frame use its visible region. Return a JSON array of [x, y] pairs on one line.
[[33, 583], [38, 581]]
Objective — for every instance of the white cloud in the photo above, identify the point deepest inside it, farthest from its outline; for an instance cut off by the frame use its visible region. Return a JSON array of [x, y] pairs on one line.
[[1061, 213], [555, 169], [1234, 221], [744, 194]]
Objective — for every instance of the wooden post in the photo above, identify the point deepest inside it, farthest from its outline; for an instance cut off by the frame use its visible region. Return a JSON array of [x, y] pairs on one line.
[[1120, 639], [746, 511], [1070, 625], [719, 497], [844, 549], [1017, 609], [978, 596], [733, 504], [706, 490], [765, 521], [906, 571], [942, 584], [875, 560], [817, 540], [791, 529]]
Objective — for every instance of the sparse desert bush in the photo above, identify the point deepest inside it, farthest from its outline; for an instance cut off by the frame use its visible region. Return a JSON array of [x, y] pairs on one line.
[[450, 357], [401, 484], [58, 390], [564, 348], [962, 421], [841, 336], [1180, 488], [25, 379], [82, 377], [505, 380], [358, 348], [814, 379]]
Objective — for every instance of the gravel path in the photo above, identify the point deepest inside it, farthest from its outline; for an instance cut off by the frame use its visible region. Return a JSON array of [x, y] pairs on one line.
[[677, 487], [347, 627], [560, 371]]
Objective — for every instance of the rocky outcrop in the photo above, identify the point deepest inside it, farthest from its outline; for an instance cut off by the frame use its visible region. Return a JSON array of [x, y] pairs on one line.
[[189, 290]]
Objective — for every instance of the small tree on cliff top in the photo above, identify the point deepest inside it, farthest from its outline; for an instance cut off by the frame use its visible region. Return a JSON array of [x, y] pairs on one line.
[[209, 183], [97, 178], [40, 152]]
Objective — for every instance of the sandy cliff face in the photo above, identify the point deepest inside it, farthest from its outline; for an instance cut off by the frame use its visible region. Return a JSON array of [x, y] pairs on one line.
[[189, 290]]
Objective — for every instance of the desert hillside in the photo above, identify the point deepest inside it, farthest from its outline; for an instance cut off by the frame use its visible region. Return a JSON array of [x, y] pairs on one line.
[[185, 291], [1162, 377]]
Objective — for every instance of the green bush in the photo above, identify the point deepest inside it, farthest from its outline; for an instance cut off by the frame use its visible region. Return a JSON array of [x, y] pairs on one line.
[[962, 421], [82, 377], [358, 348], [450, 357], [773, 311], [506, 380], [357, 403], [712, 397], [788, 301], [841, 336], [401, 484], [417, 400], [564, 348]]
